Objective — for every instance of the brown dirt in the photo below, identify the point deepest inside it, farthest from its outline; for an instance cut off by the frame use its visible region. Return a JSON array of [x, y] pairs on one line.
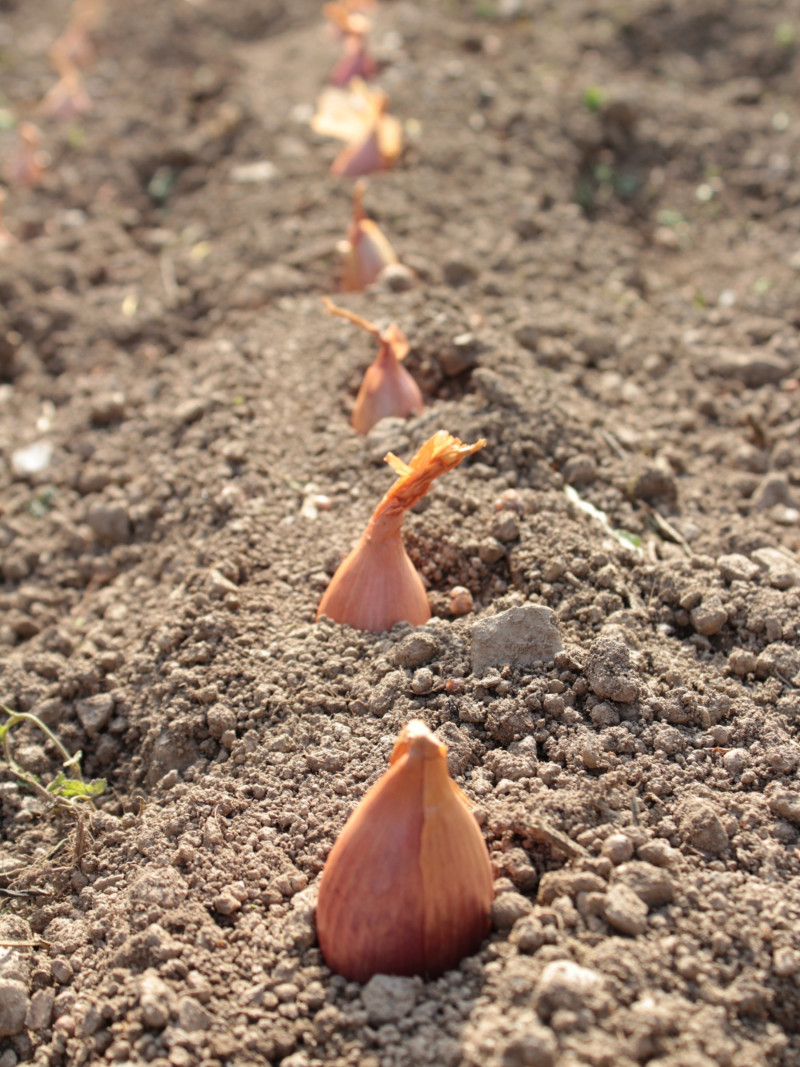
[[626, 263]]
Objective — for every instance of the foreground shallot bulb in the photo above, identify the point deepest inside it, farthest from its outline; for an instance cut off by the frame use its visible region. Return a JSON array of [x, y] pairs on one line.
[[407, 887], [377, 585], [357, 115], [388, 390], [366, 251]]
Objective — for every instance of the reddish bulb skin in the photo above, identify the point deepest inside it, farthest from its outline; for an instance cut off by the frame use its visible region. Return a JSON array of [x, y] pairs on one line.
[[376, 586], [387, 390], [408, 885]]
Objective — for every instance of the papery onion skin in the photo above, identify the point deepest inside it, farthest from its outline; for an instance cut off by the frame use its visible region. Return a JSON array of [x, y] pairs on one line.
[[407, 887], [387, 389], [368, 251], [377, 585]]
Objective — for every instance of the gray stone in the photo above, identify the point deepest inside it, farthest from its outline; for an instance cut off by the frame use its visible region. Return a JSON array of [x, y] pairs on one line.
[[709, 616], [783, 569], [396, 277], [508, 908], [522, 636], [742, 661], [13, 1007], [701, 827], [505, 528], [609, 670], [660, 853], [773, 489], [94, 712], [460, 356], [566, 883], [189, 411], [110, 523], [735, 760], [529, 1044], [388, 998], [754, 370], [414, 650], [40, 1010], [458, 271], [192, 1015], [625, 910], [579, 470], [618, 848], [735, 567], [786, 804], [219, 719], [564, 985], [526, 335], [155, 1000], [651, 884]]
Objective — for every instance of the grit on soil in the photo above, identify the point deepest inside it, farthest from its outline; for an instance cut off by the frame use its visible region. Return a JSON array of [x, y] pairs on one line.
[[600, 205]]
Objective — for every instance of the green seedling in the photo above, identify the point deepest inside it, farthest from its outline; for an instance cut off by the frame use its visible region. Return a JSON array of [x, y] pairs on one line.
[[625, 537], [68, 789], [593, 99]]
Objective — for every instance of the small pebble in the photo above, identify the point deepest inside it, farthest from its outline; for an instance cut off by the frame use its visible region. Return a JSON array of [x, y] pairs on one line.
[[508, 908], [422, 682], [389, 998], [618, 848], [625, 911], [460, 600]]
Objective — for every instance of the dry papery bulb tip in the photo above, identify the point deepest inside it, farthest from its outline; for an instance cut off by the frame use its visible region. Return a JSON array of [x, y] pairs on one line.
[[351, 316], [377, 585], [408, 885]]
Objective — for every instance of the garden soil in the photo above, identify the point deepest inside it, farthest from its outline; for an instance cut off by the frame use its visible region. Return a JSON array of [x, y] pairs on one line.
[[598, 208]]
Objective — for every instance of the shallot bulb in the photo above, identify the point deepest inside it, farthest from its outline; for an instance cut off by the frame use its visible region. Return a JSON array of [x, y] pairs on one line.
[[354, 27], [407, 887], [357, 116], [366, 252], [377, 585], [387, 389]]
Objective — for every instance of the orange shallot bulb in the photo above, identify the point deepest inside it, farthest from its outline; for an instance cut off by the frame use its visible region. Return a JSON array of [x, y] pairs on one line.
[[354, 27], [377, 585], [407, 887], [387, 389], [366, 251], [357, 115]]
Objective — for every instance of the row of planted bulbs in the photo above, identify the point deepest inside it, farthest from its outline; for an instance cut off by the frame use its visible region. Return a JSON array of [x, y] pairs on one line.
[[408, 885]]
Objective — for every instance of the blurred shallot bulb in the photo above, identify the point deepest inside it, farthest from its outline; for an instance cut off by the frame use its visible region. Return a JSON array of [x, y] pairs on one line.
[[387, 389], [67, 99], [28, 162], [354, 27], [377, 585], [366, 250], [74, 46], [357, 115], [407, 887]]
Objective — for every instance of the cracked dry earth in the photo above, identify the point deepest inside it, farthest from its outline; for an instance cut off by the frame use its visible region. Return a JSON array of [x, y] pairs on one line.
[[600, 204]]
